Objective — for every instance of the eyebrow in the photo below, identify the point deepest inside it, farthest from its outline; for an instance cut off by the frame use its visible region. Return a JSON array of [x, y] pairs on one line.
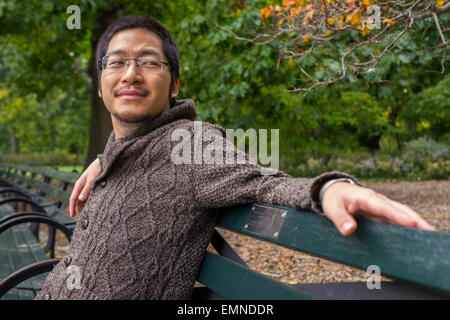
[[140, 53]]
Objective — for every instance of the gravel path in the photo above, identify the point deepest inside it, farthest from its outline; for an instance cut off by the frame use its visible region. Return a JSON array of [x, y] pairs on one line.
[[429, 198]]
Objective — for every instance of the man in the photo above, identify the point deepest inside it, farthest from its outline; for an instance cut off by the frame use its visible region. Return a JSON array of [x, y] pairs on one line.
[[143, 232]]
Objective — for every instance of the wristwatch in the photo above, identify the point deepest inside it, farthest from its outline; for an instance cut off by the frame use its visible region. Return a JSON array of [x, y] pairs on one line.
[[329, 183]]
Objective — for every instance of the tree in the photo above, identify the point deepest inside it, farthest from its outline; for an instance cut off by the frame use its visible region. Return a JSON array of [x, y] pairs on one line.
[[49, 55], [369, 28]]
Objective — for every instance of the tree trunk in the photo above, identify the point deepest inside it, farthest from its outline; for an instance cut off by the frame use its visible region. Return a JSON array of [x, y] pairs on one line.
[[14, 142], [100, 125]]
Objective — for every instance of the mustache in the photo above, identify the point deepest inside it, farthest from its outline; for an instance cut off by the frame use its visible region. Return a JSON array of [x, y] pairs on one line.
[[142, 91]]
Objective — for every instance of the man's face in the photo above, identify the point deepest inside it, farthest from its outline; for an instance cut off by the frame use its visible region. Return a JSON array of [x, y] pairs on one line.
[[134, 95]]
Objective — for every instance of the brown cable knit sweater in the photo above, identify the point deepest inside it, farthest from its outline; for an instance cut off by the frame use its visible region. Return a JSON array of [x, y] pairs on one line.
[[148, 221]]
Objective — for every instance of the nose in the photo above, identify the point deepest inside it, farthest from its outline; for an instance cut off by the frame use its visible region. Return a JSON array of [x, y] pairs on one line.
[[131, 74]]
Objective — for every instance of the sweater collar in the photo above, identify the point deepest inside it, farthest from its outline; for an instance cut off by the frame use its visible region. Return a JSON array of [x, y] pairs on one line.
[[183, 109]]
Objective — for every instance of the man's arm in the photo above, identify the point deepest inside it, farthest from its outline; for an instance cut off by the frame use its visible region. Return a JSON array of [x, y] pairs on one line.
[[221, 185]]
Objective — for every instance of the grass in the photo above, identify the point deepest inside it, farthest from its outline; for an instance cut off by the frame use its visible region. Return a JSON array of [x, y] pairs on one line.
[[79, 169]]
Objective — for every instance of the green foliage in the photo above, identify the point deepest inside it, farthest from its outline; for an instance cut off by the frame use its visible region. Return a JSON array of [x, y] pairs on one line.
[[424, 148], [423, 158], [429, 110], [46, 85]]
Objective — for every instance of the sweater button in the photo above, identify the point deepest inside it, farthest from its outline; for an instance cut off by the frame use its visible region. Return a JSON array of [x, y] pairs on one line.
[[84, 223], [67, 261], [47, 296], [103, 183]]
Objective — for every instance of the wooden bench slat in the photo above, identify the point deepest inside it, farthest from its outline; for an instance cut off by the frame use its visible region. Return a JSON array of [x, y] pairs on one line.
[[53, 192], [52, 211], [31, 254], [69, 177], [405, 253], [21, 251], [20, 248], [234, 281]]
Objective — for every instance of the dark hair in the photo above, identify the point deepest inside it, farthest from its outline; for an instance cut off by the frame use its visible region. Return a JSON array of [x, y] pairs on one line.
[[170, 47]]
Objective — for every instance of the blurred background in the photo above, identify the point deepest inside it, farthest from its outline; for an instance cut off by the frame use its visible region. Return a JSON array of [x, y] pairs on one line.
[[389, 121]]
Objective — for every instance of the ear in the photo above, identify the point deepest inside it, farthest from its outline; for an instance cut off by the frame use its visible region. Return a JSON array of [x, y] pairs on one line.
[[100, 93], [175, 88]]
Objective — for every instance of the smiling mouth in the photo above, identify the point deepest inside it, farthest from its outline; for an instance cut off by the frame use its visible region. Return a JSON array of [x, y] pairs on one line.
[[130, 94]]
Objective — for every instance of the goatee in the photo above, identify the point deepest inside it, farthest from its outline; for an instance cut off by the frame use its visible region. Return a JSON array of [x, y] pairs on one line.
[[130, 117]]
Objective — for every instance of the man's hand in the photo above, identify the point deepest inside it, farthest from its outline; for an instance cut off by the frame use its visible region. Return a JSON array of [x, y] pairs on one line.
[[343, 201], [82, 188]]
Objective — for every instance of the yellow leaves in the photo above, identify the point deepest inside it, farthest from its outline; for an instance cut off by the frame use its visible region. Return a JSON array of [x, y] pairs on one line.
[[439, 3], [295, 11], [366, 31], [329, 33], [354, 17], [265, 12], [306, 38], [331, 21], [3, 93], [339, 22], [388, 21], [366, 2], [351, 3], [424, 125]]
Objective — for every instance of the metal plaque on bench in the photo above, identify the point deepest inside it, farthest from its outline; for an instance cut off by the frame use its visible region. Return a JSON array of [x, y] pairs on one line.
[[266, 221]]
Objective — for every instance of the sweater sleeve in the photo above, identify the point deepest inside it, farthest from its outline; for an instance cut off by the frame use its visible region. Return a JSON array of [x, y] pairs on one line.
[[220, 183]]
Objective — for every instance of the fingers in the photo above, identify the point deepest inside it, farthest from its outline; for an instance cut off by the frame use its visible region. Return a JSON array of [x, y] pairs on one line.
[[79, 184], [83, 187], [82, 198], [86, 190], [380, 208], [341, 218], [343, 202], [420, 222], [376, 205]]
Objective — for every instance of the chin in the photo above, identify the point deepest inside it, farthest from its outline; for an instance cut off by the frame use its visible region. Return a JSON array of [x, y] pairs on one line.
[[132, 117]]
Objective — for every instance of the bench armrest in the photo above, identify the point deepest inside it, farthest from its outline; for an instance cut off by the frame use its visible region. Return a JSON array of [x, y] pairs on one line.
[[38, 218], [25, 273], [33, 204]]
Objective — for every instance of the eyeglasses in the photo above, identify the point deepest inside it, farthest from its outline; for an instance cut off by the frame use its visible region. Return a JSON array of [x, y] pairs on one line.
[[117, 64]]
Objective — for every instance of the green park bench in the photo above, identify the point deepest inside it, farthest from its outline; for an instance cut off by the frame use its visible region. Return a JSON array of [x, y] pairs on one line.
[[417, 261], [19, 205]]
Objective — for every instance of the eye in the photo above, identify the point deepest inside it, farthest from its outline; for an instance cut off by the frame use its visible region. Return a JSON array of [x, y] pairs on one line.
[[149, 62], [115, 62]]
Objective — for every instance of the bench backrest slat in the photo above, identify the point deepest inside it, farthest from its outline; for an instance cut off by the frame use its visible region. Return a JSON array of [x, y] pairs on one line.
[[234, 281], [69, 177], [50, 190], [404, 253]]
